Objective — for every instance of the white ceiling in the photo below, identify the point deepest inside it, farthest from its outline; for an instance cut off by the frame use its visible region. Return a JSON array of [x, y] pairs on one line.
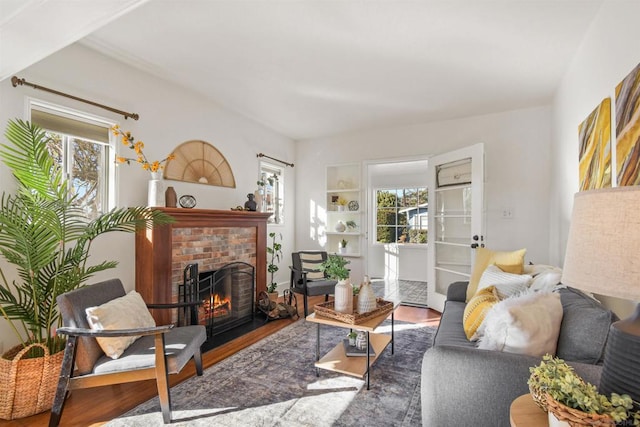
[[312, 68]]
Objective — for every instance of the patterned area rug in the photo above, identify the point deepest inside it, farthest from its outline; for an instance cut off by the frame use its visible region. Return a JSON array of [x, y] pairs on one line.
[[274, 383]]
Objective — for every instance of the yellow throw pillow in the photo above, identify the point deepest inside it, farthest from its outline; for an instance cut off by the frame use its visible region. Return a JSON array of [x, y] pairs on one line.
[[510, 262], [476, 309]]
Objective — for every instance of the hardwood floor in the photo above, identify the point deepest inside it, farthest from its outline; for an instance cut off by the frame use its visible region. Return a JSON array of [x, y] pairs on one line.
[[96, 406]]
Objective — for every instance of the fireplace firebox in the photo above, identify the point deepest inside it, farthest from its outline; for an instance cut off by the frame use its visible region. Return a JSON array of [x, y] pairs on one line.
[[226, 297]]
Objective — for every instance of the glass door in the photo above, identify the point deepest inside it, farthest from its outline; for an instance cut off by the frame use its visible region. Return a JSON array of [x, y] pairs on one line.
[[455, 218]]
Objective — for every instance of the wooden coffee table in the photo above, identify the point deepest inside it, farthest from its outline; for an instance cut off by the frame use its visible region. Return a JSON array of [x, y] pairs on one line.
[[525, 413], [358, 366]]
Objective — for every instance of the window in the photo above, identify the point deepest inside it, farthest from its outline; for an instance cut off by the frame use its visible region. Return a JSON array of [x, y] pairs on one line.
[[81, 146], [401, 215], [272, 188]]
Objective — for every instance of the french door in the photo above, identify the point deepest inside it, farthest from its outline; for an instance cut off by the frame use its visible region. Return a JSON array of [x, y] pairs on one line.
[[455, 218]]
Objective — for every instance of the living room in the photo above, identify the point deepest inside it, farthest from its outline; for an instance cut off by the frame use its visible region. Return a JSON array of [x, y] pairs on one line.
[[531, 154]]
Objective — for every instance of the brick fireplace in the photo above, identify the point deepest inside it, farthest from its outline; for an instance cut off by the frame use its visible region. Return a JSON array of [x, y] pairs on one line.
[[210, 238]]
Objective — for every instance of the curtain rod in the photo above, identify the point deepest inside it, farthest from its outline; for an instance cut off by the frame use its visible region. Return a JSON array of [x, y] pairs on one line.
[[15, 81], [277, 160]]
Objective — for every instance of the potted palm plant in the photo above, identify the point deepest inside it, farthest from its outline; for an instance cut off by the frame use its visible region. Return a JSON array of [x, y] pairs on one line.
[[46, 239]]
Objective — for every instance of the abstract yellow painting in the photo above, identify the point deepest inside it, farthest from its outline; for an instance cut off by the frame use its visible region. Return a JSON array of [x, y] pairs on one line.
[[594, 135], [628, 129]]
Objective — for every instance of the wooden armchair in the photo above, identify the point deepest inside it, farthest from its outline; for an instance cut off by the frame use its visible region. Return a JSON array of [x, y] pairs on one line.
[[160, 350], [306, 277]]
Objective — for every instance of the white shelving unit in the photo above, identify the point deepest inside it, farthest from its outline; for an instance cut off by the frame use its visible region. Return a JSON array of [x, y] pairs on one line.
[[343, 183]]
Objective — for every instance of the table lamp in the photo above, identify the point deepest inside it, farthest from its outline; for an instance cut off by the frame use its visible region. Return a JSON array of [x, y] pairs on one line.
[[603, 257]]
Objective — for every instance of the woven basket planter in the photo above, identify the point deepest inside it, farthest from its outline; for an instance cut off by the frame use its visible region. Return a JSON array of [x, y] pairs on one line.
[[538, 396], [575, 417], [28, 385]]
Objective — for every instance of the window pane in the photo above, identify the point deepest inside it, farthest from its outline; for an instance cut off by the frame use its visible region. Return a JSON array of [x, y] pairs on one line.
[[55, 147], [386, 234], [386, 198], [88, 175], [406, 223]]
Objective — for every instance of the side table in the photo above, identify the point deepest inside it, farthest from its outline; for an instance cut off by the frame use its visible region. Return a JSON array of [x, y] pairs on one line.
[[525, 413]]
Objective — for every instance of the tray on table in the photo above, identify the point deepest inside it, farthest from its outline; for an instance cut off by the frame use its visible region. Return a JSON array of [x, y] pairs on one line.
[[326, 309]]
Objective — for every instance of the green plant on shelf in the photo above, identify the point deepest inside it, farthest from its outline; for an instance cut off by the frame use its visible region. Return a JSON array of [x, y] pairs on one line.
[[351, 225]]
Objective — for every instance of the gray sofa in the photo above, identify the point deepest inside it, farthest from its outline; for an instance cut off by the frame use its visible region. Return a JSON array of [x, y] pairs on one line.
[[462, 385]]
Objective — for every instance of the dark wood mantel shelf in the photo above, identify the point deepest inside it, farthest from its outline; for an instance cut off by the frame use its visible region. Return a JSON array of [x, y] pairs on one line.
[[154, 251]]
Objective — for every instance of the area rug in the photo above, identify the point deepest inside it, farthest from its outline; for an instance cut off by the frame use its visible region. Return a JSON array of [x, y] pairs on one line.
[[273, 383]]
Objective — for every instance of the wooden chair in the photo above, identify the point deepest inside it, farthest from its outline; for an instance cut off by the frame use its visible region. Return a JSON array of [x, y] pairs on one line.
[[306, 277], [160, 350]]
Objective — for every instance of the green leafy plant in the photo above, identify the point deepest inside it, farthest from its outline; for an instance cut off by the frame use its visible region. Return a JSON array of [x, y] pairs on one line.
[[47, 238], [353, 335], [555, 377], [335, 267], [351, 225], [275, 252], [343, 243]]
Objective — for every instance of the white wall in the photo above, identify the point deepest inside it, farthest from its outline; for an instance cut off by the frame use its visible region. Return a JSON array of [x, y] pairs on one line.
[[169, 115], [607, 54], [517, 147]]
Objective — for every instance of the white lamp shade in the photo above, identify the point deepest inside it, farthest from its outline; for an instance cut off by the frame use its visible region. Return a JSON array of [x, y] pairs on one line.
[[603, 249]]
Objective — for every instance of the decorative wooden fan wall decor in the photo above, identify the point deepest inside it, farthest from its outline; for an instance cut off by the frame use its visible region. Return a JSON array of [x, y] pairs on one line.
[[199, 162]]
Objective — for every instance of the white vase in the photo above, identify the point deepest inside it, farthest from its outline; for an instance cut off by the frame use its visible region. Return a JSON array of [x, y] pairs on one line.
[[366, 298], [342, 250], [361, 340], [554, 422], [340, 227], [259, 199], [343, 296], [156, 190]]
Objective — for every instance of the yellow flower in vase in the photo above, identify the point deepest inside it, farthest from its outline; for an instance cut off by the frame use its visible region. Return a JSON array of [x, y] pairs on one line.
[[138, 147]]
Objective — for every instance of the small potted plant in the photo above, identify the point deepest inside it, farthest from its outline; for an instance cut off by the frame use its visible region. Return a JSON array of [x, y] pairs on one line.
[[342, 249], [342, 203], [567, 393], [351, 225], [275, 253], [352, 338]]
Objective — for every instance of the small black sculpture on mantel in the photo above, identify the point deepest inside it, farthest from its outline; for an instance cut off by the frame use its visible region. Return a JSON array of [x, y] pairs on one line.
[[250, 204]]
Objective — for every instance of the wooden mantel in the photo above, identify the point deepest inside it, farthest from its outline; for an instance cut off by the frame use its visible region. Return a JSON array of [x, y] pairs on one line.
[[155, 266]]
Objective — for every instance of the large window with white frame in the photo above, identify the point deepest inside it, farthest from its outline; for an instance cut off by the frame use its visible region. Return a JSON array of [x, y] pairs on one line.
[[401, 215], [82, 145], [271, 187]]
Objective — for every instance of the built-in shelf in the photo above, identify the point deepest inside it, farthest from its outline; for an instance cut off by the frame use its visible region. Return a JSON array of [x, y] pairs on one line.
[[343, 183]]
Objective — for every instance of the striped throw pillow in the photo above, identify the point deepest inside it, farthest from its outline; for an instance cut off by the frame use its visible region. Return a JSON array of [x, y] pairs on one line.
[[476, 310], [312, 262]]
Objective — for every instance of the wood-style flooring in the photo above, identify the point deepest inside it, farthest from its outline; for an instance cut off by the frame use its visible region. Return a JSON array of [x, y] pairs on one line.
[[97, 406]]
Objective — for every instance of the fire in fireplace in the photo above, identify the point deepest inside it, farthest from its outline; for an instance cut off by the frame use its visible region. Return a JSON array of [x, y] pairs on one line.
[[226, 296]]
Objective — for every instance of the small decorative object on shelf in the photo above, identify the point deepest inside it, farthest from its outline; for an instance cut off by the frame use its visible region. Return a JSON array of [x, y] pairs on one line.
[[155, 190], [351, 225], [361, 340], [352, 338], [569, 398], [250, 204], [353, 205], [170, 198], [366, 298], [342, 249], [342, 203], [188, 201], [340, 227]]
